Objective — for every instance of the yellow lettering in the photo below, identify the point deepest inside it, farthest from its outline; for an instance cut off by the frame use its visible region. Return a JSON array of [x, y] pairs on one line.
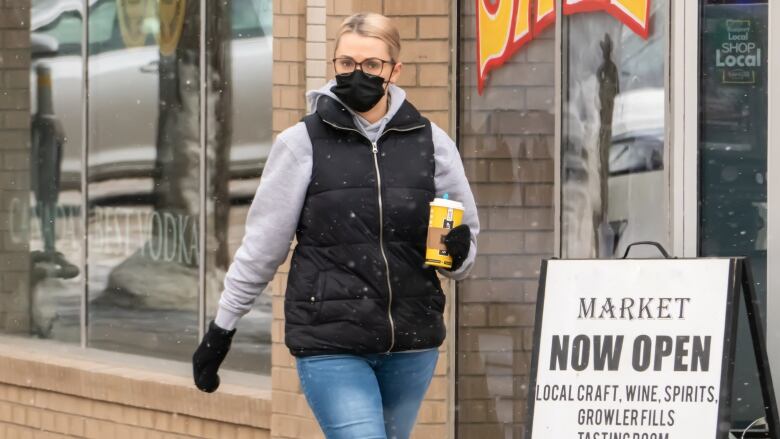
[[637, 9], [494, 24], [503, 26], [545, 15], [633, 13], [523, 22]]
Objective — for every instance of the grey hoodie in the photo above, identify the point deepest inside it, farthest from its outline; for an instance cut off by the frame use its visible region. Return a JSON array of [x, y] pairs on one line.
[[276, 207]]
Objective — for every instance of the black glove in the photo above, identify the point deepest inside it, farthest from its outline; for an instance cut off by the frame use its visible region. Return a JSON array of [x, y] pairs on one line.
[[458, 241], [209, 356]]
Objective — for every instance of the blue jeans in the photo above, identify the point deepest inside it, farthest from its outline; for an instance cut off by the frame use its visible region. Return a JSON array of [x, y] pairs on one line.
[[373, 396]]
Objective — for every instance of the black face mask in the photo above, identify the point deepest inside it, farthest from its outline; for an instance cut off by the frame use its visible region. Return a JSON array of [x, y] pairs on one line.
[[359, 91]]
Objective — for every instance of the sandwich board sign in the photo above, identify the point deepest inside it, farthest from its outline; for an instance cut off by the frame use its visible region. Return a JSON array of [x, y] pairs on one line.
[[640, 349]]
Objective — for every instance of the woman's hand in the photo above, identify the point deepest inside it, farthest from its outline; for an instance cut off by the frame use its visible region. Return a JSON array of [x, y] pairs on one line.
[[458, 241], [209, 356]]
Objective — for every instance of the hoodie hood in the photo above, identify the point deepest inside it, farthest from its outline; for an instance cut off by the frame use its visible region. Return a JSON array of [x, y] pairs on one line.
[[397, 98]]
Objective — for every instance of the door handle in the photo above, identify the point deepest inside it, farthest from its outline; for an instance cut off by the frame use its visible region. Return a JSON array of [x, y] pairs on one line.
[[151, 67]]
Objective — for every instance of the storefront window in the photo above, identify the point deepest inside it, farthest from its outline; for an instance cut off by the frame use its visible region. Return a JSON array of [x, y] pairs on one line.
[[43, 273], [240, 143], [733, 162], [614, 172], [145, 190], [506, 138], [143, 181]]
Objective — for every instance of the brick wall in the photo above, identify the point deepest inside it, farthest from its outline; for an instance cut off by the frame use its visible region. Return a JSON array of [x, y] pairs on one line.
[[289, 62], [290, 416], [506, 141], [14, 162], [425, 33], [425, 49], [30, 413], [316, 44], [46, 392]]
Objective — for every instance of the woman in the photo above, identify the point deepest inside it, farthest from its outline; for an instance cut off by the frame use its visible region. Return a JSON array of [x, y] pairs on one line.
[[353, 182]]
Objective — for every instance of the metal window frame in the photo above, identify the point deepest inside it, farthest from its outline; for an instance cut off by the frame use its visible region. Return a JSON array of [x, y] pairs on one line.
[[675, 125], [202, 217], [773, 194], [452, 321], [84, 195], [686, 133], [557, 135]]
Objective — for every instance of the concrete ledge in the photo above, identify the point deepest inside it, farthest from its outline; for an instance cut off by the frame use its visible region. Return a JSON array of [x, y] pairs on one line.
[[130, 380]]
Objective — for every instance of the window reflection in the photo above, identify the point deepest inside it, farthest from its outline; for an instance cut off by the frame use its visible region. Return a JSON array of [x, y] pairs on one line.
[[237, 153], [47, 219], [143, 176], [143, 172], [613, 178]]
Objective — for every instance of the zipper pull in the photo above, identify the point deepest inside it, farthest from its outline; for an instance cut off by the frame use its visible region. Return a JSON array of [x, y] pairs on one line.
[[374, 148]]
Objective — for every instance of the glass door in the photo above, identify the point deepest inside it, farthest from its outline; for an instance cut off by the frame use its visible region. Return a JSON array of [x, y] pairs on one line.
[[732, 161], [773, 199]]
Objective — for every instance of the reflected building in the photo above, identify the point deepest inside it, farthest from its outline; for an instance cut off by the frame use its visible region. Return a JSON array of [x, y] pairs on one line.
[[115, 209]]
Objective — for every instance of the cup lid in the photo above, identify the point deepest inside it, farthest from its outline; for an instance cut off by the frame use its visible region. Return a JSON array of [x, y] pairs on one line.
[[443, 202]]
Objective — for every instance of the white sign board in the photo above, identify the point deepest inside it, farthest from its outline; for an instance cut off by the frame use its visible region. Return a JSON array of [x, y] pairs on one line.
[[631, 349]]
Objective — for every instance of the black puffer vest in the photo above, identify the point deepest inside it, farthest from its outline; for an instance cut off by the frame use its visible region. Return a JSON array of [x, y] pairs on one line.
[[357, 281]]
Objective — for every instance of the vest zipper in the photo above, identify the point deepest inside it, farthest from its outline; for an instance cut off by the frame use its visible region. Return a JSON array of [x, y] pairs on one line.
[[374, 151]]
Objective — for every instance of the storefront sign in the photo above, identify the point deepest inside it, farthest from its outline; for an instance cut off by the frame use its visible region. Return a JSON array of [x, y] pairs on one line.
[[738, 52], [504, 26], [632, 349]]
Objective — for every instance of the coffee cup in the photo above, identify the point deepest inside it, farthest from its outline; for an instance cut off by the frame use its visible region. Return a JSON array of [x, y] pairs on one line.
[[445, 215]]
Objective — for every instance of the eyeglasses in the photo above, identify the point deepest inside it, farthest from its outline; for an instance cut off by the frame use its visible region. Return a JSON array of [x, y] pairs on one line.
[[370, 66]]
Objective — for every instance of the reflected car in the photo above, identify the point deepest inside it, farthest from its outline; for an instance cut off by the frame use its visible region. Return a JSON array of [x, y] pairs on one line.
[[637, 186], [124, 89]]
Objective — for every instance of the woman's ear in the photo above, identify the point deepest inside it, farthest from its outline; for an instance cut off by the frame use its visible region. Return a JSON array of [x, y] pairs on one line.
[[395, 73]]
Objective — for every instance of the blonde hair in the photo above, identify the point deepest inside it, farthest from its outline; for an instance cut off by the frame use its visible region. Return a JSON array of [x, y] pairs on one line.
[[370, 24]]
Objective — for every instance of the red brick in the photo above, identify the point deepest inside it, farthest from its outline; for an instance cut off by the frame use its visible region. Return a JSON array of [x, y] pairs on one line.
[[499, 242], [434, 27], [472, 315], [486, 430], [515, 266], [541, 242], [488, 339], [511, 315], [488, 194], [493, 290], [505, 218], [434, 75], [539, 195], [525, 123], [522, 171]]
